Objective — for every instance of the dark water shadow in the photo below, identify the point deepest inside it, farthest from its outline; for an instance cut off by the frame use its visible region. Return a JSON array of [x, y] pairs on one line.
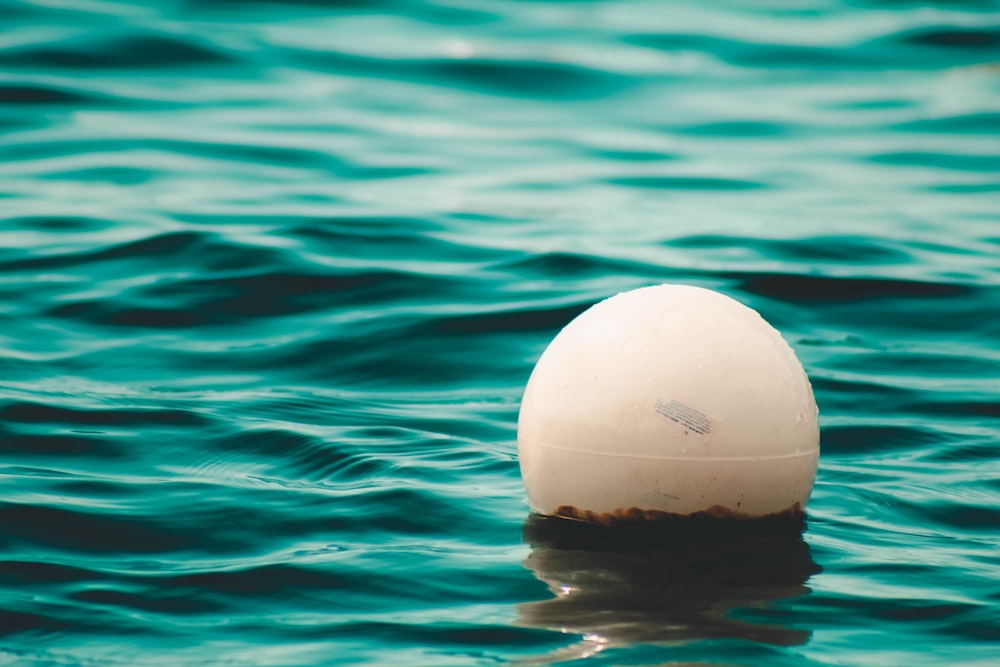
[[666, 583]]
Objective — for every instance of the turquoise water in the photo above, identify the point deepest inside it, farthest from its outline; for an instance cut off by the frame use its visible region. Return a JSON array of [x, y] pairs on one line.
[[274, 275]]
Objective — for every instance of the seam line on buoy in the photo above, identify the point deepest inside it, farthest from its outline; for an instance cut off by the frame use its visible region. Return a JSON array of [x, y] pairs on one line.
[[773, 457]]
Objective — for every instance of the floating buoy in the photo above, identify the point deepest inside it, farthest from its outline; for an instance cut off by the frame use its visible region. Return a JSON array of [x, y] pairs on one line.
[[666, 402]]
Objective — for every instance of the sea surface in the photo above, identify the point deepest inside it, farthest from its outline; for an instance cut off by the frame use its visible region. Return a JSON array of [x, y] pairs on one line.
[[273, 276]]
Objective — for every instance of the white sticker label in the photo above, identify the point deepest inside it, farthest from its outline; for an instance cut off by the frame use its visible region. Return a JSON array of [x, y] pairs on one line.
[[686, 416]]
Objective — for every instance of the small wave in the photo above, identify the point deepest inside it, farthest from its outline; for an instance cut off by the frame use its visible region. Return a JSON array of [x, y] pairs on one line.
[[865, 440], [816, 249], [952, 38], [303, 458], [26, 412], [577, 265], [795, 288], [116, 53], [957, 161], [77, 530], [59, 447], [977, 123], [39, 94], [739, 129], [530, 78], [178, 244], [899, 49], [695, 183], [546, 319]]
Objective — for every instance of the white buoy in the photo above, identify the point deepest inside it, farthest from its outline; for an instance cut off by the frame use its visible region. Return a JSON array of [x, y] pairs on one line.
[[668, 400]]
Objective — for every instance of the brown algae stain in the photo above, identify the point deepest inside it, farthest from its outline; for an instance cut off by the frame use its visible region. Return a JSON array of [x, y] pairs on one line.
[[635, 516]]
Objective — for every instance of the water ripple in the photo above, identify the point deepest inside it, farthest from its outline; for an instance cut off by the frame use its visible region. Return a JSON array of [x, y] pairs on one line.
[[139, 52], [273, 276]]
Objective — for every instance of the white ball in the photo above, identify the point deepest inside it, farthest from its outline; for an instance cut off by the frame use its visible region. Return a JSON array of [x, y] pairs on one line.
[[668, 400]]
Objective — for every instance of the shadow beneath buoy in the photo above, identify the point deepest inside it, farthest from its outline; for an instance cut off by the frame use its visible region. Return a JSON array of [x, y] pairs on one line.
[[665, 582]]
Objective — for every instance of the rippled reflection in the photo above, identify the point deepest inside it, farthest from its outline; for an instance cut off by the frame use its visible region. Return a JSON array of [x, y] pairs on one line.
[[620, 586]]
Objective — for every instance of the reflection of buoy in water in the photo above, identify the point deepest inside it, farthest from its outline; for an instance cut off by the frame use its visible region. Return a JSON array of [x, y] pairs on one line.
[[619, 586], [668, 401]]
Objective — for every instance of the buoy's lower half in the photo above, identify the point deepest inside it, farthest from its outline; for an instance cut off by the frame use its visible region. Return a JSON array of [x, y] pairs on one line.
[[611, 489]]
